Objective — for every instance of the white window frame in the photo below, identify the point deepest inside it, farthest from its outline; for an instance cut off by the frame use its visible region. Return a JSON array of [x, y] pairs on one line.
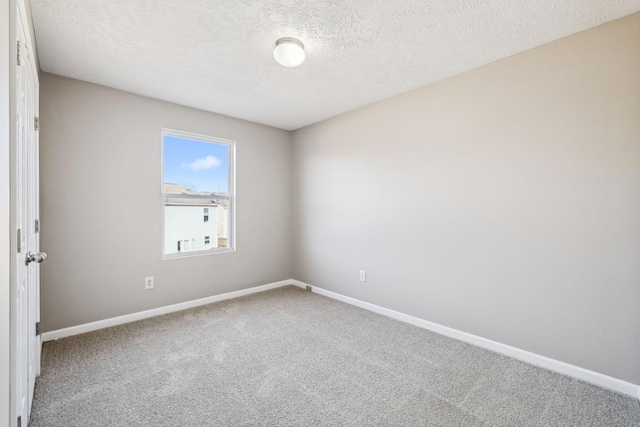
[[231, 197]]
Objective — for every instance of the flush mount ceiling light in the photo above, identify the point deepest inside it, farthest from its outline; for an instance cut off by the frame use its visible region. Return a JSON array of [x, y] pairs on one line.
[[289, 52]]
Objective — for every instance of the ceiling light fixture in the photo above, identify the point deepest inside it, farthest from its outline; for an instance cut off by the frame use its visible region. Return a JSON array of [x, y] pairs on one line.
[[289, 52]]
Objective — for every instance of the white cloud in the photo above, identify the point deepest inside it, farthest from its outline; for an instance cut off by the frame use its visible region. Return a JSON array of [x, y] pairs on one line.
[[203, 163]]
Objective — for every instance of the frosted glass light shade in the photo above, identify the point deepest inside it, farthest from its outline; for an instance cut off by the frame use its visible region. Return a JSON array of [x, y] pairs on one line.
[[289, 52]]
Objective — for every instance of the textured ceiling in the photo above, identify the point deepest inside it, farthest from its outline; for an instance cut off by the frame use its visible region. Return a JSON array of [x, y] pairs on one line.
[[216, 55]]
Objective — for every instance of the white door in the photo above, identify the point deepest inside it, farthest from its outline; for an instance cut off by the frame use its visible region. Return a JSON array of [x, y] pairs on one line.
[[27, 292]]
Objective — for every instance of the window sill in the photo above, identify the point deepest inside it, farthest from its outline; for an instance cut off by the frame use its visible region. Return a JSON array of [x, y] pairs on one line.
[[197, 253]]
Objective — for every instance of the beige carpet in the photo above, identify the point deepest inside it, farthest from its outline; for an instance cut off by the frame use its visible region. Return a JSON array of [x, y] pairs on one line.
[[288, 357]]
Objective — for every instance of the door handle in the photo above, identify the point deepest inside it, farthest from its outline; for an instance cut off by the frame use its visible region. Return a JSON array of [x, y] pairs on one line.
[[37, 258]]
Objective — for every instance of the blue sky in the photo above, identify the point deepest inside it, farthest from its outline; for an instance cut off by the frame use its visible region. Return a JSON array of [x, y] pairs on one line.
[[201, 166]]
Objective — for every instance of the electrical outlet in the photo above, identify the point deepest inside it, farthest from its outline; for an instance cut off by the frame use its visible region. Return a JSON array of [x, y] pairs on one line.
[[363, 276], [148, 283]]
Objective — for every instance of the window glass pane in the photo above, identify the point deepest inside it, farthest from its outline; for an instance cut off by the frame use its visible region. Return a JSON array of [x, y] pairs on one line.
[[198, 194], [194, 167]]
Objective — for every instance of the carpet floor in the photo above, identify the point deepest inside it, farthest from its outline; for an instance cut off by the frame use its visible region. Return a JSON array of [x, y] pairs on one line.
[[288, 357]]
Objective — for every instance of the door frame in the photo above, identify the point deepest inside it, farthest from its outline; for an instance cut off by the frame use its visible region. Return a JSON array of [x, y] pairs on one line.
[[7, 74]]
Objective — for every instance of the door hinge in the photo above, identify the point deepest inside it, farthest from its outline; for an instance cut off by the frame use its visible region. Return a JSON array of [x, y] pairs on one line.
[[18, 53], [36, 123], [19, 240], [37, 225], [19, 421], [37, 329]]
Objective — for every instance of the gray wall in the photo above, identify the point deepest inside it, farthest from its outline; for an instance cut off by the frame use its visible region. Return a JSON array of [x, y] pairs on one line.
[[101, 205], [504, 202]]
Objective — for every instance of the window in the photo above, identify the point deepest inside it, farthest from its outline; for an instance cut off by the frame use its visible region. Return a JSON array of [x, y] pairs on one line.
[[183, 245], [197, 194]]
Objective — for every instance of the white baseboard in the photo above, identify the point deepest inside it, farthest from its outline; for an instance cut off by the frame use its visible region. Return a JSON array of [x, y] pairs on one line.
[[101, 324], [577, 372], [592, 377]]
